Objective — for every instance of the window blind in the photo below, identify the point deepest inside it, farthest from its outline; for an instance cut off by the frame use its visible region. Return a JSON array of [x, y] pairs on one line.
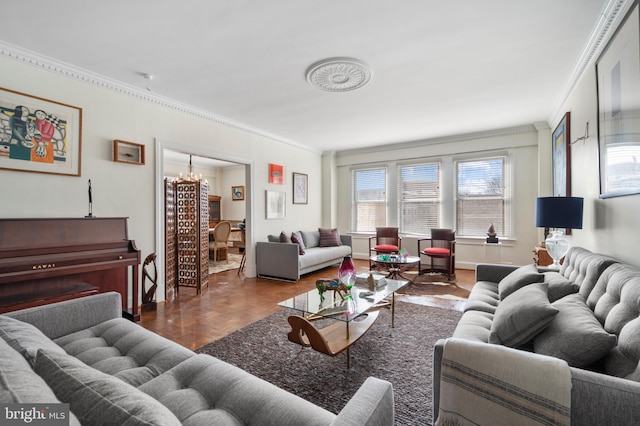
[[369, 205], [419, 198], [481, 197]]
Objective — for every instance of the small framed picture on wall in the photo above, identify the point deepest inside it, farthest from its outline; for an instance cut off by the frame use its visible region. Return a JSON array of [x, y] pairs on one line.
[[300, 188], [275, 203], [276, 174], [237, 193], [128, 152]]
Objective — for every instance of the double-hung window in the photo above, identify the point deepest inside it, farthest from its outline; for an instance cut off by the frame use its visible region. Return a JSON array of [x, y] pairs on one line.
[[482, 196], [418, 197], [369, 203]]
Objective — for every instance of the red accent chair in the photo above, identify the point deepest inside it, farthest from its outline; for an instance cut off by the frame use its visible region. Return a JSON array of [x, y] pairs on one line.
[[386, 241], [440, 250]]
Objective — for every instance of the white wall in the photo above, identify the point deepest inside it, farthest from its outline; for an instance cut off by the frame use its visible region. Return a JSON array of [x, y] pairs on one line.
[[610, 225], [522, 145], [129, 190], [232, 209]]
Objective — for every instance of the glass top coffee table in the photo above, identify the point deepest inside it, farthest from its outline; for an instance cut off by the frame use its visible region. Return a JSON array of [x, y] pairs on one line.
[[395, 265], [354, 312], [335, 307]]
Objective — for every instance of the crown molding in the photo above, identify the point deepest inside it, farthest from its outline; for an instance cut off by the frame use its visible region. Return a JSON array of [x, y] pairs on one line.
[[541, 125], [37, 60], [507, 131], [602, 31]]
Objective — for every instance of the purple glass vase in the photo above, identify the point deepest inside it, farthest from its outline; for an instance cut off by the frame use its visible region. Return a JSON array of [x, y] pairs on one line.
[[347, 272]]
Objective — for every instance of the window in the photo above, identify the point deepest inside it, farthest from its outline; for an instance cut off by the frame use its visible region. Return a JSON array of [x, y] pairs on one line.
[[419, 198], [369, 205], [481, 197]]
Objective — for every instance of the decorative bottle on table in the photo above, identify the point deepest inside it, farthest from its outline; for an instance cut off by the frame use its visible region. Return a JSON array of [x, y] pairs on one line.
[[347, 272]]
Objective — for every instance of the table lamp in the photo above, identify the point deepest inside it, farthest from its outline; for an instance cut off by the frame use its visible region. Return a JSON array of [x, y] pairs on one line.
[[559, 213]]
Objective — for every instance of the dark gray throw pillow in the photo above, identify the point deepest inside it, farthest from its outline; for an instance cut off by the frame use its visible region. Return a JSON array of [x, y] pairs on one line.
[[519, 278], [574, 335], [521, 316], [559, 286]]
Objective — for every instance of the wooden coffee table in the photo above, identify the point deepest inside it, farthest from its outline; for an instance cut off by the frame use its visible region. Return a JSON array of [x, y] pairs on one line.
[[354, 316], [395, 266]]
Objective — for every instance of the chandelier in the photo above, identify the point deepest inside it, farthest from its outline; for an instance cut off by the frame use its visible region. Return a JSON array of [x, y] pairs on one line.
[[191, 177]]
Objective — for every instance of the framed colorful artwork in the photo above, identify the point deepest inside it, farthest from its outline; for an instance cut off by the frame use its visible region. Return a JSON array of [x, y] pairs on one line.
[[300, 188], [561, 154], [39, 135], [237, 193], [618, 78], [276, 174], [275, 202]]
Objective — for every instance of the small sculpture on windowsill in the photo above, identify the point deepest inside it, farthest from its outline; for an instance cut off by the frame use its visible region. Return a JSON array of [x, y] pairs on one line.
[[492, 235]]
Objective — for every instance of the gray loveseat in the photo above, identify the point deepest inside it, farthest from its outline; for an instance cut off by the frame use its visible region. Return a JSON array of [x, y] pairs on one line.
[[113, 371], [592, 322], [284, 260]]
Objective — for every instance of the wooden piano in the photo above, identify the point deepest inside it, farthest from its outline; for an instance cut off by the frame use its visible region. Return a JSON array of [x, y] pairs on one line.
[[48, 260]]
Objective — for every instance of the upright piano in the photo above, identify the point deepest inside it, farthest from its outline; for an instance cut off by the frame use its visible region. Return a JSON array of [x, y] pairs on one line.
[[48, 260]]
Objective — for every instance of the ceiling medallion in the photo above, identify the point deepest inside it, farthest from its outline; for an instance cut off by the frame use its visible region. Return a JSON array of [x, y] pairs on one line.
[[338, 74]]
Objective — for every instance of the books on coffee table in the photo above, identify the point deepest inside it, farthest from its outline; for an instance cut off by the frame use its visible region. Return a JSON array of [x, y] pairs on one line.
[[362, 279]]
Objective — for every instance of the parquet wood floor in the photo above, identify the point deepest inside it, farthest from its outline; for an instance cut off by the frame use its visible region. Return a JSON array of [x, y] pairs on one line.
[[233, 301]]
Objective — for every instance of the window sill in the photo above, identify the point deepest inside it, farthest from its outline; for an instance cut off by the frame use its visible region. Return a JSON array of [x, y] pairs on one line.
[[473, 241]]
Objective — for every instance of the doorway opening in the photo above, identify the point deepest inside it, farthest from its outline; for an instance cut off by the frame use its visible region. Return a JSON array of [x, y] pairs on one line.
[[222, 173]]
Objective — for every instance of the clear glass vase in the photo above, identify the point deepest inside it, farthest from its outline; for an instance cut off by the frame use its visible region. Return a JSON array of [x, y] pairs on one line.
[[347, 272], [557, 246]]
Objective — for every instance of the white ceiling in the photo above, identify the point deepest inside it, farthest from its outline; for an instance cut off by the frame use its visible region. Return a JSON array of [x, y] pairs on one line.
[[439, 68]]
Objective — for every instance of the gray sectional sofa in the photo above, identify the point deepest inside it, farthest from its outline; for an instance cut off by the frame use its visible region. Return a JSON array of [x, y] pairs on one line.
[[586, 314], [113, 371], [279, 258]]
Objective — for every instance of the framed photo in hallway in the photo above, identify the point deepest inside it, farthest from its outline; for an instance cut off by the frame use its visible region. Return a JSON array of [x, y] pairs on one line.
[[39, 135], [237, 193]]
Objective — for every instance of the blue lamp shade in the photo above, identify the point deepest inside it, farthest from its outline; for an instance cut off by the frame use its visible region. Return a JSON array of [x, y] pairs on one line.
[[559, 212]]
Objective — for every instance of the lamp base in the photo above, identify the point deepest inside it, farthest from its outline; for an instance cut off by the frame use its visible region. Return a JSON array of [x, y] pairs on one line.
[[557, 246]]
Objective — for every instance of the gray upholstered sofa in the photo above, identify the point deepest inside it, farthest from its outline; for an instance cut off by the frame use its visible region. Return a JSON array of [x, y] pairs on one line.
[[279, 258], [113, 371], [590, 319]]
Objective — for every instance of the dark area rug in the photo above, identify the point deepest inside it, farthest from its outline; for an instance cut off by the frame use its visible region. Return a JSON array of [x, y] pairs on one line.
[[435, 286], [402, 355]]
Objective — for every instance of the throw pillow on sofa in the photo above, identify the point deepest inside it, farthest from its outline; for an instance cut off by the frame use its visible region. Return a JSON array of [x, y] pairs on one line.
[[574, 335], [311, 238], [98, 398], [25, 338], [329, 237], [559, 286], [284, 238], [296, 238], [519, 278], [18, 382], [520, 317]]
